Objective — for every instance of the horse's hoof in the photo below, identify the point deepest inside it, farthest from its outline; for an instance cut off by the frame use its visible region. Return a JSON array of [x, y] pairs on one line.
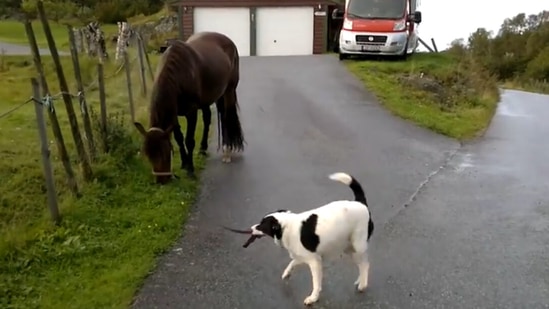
[[191, 175], [226, 159], [203, 152]]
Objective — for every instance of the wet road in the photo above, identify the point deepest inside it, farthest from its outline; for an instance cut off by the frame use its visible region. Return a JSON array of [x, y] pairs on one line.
[[472, 235], [16, 49]]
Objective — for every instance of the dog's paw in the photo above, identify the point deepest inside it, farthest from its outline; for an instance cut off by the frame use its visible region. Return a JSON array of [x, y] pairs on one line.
[[362, 286], [311, 299]]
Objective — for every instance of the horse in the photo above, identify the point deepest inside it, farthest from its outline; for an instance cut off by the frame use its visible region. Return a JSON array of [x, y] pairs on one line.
[[192, 75]]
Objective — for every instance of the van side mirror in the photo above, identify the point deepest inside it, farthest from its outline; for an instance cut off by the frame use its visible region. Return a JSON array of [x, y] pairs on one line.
[[338, 14], [415, 17]]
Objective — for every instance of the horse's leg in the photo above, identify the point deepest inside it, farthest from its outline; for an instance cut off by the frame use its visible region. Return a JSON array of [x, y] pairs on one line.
[[207, 119], [179, 138], [189, 141], [220, 104]]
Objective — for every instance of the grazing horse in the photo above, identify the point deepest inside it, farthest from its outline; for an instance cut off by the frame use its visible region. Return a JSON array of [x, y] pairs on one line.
[[193, 75]]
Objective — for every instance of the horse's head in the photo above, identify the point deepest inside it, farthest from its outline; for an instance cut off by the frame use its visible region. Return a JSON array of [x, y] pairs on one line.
[[158, 149]]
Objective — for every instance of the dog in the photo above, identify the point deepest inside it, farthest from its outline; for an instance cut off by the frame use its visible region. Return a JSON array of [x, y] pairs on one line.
[[336, 228]]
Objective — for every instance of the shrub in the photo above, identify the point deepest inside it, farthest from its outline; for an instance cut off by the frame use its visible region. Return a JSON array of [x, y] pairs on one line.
[[109, 12], [538, 68], [116, 140]]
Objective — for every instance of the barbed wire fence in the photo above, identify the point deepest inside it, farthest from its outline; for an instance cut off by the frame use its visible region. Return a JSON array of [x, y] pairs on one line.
[[44, 101]]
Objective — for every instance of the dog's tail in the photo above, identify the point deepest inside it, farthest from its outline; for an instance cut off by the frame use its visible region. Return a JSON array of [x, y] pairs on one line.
[[358, 192], [353, 184]]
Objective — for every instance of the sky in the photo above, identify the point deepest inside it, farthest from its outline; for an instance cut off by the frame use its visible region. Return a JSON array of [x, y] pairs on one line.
[[446, 20]]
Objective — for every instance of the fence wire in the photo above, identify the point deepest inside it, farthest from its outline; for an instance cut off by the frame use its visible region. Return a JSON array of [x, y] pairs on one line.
[[47, 101]]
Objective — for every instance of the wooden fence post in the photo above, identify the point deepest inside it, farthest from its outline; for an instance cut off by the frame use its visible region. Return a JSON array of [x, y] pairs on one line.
[[103, 104], [434, 45], [129, 82], [88, 134], [48, 171], [140, 55], [56, 128], [142, 43], [83, 156]]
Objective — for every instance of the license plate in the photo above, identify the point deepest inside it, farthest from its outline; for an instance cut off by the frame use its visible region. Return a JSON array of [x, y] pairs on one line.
[[370, 47]]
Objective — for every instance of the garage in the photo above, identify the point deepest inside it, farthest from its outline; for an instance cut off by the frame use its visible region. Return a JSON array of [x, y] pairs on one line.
[[260, 27], [232, 22], [292, 37]]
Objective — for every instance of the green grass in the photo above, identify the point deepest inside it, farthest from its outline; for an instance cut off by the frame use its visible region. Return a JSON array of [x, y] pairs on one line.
[[12, 31], [530, 86], [462, 109], [109, 238]]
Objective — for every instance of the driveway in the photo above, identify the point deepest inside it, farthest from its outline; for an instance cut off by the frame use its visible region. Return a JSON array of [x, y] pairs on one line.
[[451, 222]]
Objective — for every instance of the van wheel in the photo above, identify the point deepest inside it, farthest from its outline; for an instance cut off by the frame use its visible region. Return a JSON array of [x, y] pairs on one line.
[[343, 56]]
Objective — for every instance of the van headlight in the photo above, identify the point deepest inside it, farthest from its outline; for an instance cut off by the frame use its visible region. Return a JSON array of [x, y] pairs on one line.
[[399, 25], [347, 24]]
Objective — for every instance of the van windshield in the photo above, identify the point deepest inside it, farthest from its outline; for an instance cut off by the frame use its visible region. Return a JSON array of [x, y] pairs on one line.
[[376, 9]]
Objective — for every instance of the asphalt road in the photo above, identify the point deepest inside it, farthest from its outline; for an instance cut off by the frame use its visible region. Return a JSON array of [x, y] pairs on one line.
[[456, 227], [16, 49]]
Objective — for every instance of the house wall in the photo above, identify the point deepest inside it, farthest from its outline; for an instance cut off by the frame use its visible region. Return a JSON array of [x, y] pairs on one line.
[[320, 21]]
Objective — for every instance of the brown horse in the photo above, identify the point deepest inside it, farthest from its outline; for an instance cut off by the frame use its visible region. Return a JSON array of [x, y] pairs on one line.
[[193, 75]]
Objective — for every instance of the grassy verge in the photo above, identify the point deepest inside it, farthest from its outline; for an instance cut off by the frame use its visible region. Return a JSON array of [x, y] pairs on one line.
[[436, 91], [109, 237], [531, 86], [12, 31]]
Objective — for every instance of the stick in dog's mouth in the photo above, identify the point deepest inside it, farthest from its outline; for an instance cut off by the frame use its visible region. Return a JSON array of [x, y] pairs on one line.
[[248, 232]]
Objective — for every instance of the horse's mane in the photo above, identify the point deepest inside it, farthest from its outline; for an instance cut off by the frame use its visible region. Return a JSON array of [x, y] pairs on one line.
[[175, 72]]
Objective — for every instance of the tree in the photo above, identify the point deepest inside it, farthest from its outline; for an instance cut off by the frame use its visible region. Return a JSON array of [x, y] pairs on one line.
[[519, 51]]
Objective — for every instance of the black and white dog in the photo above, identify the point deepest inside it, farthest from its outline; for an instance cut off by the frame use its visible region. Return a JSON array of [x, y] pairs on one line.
[[338, 227]]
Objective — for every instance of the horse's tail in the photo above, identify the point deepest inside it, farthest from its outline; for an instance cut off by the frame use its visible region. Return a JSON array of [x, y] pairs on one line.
[[234, 137]]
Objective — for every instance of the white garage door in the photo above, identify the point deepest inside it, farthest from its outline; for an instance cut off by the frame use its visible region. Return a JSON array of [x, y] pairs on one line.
[[232, 22], [285, 31]]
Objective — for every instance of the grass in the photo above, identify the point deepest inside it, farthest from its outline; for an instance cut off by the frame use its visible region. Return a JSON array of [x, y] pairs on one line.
[[530, 86], [109, 237], [12, 31], [436, 91]]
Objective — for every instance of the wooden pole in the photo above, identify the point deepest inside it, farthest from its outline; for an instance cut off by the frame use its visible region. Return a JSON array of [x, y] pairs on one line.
[[146, 57], [83, 156], [180, 22], [88, 134], [434, 45], [425, 44], [140, 52], [56, 128], [103, 105], [48, 171], [129, 82]]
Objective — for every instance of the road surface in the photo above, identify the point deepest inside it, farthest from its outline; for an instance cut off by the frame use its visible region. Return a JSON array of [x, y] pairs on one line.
[[455, 227], [16, 49]]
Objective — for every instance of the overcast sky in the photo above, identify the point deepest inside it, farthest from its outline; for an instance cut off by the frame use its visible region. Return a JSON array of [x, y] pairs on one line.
[[446, 20]]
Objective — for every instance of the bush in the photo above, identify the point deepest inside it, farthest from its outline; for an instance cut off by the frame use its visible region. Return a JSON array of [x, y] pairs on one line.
[[109, 12], [56, 10], [116, 140], [519, 54], [538, 68], [112, 11]]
